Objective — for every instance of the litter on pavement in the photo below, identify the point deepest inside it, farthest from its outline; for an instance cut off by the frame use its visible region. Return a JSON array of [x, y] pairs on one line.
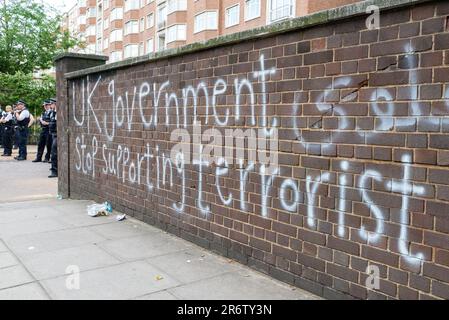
[[98, 210]]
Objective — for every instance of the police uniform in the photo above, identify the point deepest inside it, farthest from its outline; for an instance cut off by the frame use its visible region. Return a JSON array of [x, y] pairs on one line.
[[54, 146], [23, 120], [45, 136], [8, 131], [2, 114]]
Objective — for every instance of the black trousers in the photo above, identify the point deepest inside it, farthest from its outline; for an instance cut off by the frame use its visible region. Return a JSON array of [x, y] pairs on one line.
[[54, 154], [2, 131], [23, 140], [8, 133], [45, 141]]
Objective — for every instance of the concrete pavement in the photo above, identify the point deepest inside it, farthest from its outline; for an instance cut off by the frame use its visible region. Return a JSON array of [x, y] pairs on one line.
[[45, 242], [27, 181]]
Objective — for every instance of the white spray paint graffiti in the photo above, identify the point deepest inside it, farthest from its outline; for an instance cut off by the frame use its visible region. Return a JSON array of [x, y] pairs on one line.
[[127, 166]]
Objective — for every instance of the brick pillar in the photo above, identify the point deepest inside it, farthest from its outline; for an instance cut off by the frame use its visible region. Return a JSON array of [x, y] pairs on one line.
[[65, 63]]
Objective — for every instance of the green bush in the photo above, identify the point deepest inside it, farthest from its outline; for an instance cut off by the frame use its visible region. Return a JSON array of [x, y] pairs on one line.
[[23, 86]]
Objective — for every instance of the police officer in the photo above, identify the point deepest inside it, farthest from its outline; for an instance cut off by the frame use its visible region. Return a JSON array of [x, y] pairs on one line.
[[15, 135], [2, 114], [23, 119], [8, 131], [54, 145], [45, 137]]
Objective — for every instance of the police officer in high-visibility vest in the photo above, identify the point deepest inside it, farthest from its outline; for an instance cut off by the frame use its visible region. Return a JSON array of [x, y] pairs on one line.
[[8, 131], [45, 137], [54, 147], [23, 118]]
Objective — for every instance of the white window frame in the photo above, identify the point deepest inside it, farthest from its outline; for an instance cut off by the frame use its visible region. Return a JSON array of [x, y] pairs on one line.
[[113, 59], [150, 25], [247, 18], [142, 24], [179, 36], [176, 5], [115, 38], [148, 49], [206, 28], [227, 25], [133, 53], [135, 25], [116, 16], [292, 14], [131, 5]]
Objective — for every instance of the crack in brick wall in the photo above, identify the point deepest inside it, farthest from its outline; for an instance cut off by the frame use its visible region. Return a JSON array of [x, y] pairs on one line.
[[362, 125]]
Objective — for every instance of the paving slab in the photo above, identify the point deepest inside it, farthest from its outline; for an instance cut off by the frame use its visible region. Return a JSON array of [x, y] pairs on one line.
[[7, 259], [30, 291], [9, 230], [192, 265], [3, 247], [14, 276], [27, 180], [52, 264], [27, 214], [142, 247], [124, 281], [30, 244], [238, 286], [119, 230]]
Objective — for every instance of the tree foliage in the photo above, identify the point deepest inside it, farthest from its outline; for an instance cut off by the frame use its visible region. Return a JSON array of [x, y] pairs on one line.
[[30, 36], [24, 86]]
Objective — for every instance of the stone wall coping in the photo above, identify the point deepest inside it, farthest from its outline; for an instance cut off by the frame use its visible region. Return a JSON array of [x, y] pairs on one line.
[[318, 18], [80, 56]]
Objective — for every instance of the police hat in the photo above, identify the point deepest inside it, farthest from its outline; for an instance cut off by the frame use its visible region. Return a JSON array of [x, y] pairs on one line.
[[53, 100], [21, 102], [46, 102]]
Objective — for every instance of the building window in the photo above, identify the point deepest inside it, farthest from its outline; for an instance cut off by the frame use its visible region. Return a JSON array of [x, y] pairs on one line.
[[106, 4], [150, 45], [116, 14], [131, 26], [161, 16], [105, 43], [150, 20], [132, 5], [90, 31], [176, 5], [131, 50], [206, 21], [106, 23], [82, 19], [116, 56], [99, 45], [99, 29], [252, 9], [280, 9], [90, 48], [81, 3], [232, 16], [91, 12], [141, 49], [176, 32], [161, 44], [142, 24], [116, 35]]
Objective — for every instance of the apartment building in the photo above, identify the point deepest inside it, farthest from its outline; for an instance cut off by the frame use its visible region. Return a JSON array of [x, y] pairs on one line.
[[128, 28]]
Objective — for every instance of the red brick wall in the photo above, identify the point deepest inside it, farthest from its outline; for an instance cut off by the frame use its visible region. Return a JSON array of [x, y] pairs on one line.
[[363, 180]]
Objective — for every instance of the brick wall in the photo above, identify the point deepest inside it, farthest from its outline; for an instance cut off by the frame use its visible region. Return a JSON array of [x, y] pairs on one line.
[[360, 120]]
